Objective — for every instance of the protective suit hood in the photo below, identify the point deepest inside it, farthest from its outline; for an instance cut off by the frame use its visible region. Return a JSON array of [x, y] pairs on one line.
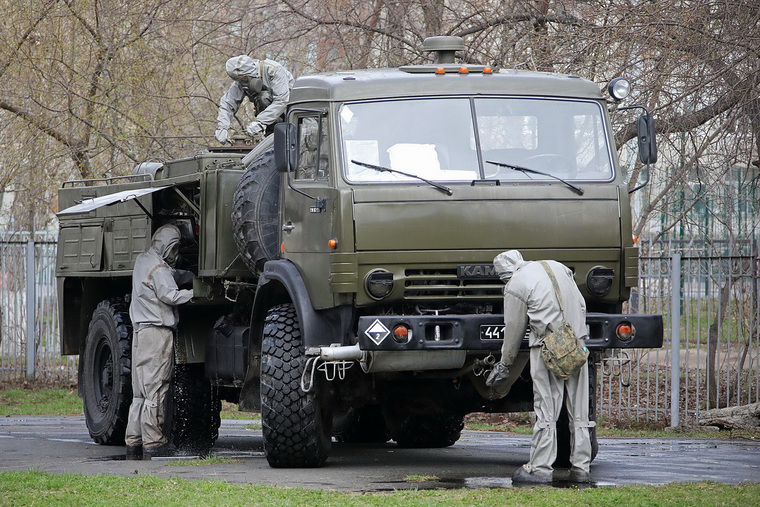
[[242, 67], [506, 263], [164, 239]]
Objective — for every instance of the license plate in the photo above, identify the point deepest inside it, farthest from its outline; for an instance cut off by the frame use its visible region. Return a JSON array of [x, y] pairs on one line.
[[491, 332]]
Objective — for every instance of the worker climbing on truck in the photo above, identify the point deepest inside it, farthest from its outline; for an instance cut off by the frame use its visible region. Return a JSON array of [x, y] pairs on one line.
[[267, 85]]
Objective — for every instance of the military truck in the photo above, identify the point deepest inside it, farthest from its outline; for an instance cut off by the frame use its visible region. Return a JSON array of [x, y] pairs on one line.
[[342, 267]]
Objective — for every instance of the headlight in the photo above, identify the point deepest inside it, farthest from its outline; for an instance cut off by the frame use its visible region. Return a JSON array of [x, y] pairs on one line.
[[619, 88], [599, 280], [379, 283]]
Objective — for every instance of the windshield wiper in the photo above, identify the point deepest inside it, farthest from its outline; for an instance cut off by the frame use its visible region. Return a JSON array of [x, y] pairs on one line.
[[578, 190], [440, 187]]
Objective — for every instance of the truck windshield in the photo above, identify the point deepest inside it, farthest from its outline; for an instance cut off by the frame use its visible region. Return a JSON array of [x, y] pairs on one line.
[[452, 139]]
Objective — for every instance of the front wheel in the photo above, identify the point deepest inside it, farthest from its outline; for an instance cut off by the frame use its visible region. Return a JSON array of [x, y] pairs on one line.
[[107, 372], [296, 425]]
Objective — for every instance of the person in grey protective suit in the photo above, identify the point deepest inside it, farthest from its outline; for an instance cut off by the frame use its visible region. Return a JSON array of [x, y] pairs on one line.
[[530, 300], [153, 310], [267, 85]]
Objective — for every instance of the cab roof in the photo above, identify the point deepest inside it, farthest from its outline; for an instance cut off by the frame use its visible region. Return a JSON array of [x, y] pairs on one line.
[[422, 80]]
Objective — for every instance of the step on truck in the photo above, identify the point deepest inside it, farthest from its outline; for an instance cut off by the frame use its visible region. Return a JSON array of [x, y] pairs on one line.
[[342, 267]]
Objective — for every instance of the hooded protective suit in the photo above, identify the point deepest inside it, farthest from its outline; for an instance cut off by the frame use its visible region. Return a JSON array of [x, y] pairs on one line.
[[154, 315], [529, 300], [267, 85]]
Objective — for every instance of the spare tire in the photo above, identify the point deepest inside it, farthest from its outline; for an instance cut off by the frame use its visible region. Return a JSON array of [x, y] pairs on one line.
[[256, 212]]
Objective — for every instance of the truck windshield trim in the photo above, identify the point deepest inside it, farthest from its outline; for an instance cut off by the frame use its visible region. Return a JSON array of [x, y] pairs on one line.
[[449, 139]]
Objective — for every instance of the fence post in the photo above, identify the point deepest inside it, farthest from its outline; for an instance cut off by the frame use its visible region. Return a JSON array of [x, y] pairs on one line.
[[31, 305], [675, 338]]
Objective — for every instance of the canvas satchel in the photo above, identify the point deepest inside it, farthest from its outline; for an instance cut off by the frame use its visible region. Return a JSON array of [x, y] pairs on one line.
[[562, 351]]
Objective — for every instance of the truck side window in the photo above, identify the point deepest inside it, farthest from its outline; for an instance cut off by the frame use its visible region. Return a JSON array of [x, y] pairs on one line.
[[312, 148]]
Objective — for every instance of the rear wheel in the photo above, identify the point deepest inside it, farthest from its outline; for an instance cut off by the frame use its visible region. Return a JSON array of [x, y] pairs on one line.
[[193, 413], [296, 425], [425, 431], [107, 372], [364, 425]]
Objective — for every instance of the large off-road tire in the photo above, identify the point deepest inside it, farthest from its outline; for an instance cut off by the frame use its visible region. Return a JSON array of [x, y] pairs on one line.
[[365, 425], [563, 424], [192, 421], [296, 426], [255, 212], [425, 431], [107, 372]]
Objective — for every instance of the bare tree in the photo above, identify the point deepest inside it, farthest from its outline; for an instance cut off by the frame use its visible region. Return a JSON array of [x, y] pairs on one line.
[[110, 84]]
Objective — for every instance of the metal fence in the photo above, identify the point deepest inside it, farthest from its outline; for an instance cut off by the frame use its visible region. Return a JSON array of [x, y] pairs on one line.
[[711, 355], [28, 307]]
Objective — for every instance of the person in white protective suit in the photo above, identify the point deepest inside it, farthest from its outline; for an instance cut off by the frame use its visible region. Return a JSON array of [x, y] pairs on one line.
[[154, 314], [267, 85], [530, 300]]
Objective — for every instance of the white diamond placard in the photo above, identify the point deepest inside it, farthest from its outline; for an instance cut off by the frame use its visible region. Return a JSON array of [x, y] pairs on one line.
[[377, 332]]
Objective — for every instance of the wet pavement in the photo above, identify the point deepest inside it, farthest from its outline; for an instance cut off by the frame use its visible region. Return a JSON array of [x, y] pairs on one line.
[[480, 459]]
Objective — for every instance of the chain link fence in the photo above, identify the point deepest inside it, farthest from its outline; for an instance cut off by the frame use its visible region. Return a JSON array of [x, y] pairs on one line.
[[717, 335]]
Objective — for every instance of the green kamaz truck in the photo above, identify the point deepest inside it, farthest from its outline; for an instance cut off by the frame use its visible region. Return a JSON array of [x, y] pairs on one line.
[[342, 267]]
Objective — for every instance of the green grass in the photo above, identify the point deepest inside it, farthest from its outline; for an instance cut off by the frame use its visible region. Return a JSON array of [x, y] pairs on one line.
[[208, 460], [230, 411], [421, 478], [699, 314], [41, 488], [35, 401], [605, 429]]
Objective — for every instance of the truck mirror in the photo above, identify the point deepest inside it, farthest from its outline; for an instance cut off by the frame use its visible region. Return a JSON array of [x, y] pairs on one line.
[[285, 149], [647, 139]]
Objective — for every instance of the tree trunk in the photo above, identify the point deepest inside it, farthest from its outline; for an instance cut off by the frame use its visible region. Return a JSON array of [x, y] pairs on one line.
[[743, 417], [712, 345]]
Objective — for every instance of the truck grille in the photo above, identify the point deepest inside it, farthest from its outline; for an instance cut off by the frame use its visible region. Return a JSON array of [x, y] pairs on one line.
[[444, 285]]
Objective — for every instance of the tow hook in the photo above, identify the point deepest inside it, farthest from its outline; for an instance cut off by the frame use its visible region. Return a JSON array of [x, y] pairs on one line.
[[618, 365]]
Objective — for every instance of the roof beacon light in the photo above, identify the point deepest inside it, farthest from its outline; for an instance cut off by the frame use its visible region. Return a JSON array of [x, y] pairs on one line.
[[443, 47]]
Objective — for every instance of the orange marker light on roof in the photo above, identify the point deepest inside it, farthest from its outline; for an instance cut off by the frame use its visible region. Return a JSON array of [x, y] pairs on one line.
[[487, 70], [440, 71], [464, 70]]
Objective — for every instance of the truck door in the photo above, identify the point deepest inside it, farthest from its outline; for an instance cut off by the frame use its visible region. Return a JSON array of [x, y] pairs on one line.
[[308, 206]]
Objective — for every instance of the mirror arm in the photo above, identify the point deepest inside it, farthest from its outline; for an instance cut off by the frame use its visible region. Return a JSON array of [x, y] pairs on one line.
[[646, 182], [633, 107]]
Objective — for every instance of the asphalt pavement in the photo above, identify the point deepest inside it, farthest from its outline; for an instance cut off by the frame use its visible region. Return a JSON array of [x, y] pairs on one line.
[[481, 459]]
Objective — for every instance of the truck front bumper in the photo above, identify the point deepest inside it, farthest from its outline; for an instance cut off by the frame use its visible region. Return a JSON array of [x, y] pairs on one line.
[[485, 332]]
